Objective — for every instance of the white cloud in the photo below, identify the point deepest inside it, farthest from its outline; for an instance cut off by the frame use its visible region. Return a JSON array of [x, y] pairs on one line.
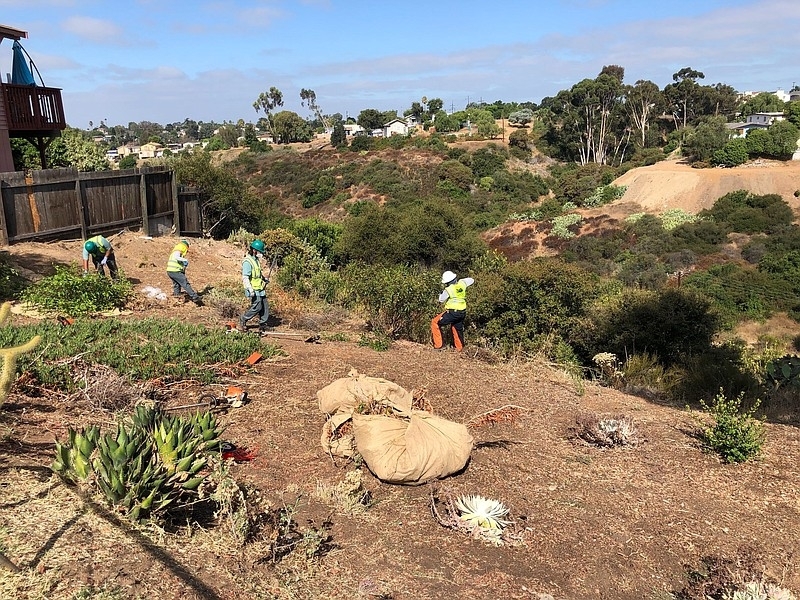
[[95, 30]]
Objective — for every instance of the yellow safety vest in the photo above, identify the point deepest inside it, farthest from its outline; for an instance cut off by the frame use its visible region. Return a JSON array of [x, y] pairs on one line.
[[458, 296], [173, 266], [255, 274], [101, 249]]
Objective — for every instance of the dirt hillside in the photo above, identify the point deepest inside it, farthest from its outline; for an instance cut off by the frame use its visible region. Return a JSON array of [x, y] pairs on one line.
[[674, 184]]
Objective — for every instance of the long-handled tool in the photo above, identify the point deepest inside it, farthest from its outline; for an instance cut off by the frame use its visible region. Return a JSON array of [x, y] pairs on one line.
[[310, 339], [234, 398]]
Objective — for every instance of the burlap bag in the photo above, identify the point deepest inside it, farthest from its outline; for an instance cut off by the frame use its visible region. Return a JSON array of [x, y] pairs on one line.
[[349, 392], [411, 449]]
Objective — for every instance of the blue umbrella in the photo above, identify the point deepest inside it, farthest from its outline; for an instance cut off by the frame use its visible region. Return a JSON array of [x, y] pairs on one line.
[[20, 71]]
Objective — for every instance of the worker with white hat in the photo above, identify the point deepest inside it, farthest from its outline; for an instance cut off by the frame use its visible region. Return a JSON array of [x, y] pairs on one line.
[[454, 297]]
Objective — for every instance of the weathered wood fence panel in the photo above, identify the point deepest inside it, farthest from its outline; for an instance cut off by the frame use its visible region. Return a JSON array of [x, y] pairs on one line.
[[66, 204], [190, 204]]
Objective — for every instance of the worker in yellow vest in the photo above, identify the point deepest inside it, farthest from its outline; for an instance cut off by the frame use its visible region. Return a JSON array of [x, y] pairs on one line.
[[176, 271], [255, 285], [454, 297], [102, 255]]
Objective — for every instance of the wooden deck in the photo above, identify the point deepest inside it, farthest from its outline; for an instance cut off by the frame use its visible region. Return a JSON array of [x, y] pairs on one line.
[[32, 110]]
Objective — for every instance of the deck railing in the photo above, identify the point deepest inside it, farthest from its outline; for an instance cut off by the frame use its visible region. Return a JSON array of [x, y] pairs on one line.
[[32, 108]]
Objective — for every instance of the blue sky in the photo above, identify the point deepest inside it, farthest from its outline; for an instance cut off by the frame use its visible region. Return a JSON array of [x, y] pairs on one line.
[[167, 60]]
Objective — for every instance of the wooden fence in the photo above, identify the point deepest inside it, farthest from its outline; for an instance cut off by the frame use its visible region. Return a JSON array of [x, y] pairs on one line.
[[65, 204]]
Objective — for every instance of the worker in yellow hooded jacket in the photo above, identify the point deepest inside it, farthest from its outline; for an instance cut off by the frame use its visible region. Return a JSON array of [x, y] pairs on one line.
[[176, 271]]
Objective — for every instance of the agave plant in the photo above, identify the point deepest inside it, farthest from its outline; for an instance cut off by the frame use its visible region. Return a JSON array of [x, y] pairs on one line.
[[73, 458], [483, 516], [146, 463]]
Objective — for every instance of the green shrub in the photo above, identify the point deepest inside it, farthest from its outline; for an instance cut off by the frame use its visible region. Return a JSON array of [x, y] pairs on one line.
[[562, 223], [486, 161], [431, 233], [11, 282], [732, 154], [674, 217], [671, 324], [604, 195], [300, 267], [745, 212], [531, 306], [703, 374], [317, 232], [736, 435], [379, 343], [398, 301], [319, 191], [69, 292]]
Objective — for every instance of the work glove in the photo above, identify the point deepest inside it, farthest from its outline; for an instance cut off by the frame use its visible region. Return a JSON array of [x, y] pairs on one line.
[[104, 261]]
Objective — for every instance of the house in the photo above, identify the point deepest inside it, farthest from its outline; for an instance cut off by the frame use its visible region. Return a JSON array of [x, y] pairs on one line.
[[780, 93], [395, 127], [31, 112], [151, 150], [754, 121], [112, 155], [129, 148], [352, 129]]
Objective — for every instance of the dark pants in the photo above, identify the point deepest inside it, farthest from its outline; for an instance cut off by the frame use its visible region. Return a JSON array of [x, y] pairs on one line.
[[258, 306], [179, 282], [111, 263], [455, 320]]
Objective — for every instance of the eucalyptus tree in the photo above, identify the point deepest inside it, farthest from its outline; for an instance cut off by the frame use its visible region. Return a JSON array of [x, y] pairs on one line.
[[684, 96], [587, 121], [309, 97], [644, 102], [269, 101]]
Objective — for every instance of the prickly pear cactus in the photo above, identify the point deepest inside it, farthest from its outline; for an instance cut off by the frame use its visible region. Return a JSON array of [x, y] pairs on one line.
[[10, 355], [785, 371]]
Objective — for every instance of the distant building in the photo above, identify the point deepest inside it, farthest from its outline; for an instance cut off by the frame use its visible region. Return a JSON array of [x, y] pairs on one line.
[[129, 148], [781, 94], [151, 150], [754, 121], [351, 129], [396, 127]]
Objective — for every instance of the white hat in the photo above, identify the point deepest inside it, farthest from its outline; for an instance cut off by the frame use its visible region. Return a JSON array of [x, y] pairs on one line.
[[448, 276]]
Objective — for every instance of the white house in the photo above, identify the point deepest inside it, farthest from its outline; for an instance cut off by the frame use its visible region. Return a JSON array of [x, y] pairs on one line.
[[395, 127], [351, 129], [754, 121], [781, 94]]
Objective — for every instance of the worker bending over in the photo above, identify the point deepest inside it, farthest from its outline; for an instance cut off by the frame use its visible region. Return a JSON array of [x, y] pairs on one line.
[[102, 254]]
